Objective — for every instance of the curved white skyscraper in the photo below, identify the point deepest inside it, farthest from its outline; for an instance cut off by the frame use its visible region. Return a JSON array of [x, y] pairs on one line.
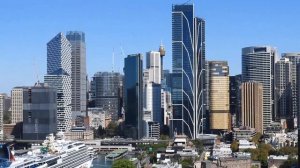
[[59, 76]]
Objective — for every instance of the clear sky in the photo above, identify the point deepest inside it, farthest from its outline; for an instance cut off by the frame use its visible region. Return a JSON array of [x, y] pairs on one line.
[[136, 26]]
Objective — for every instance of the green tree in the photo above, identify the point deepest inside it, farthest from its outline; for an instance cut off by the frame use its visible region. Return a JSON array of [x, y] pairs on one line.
[[234, 146], [198, 145], [123, 163], [6, 117], [112, 129], [187, 163], [257, 138]]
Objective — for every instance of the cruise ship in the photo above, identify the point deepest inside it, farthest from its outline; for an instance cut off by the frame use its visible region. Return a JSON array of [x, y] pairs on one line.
[[58, 153]]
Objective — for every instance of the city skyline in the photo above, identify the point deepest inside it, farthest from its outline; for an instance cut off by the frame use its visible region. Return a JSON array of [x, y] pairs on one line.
[[31, 33]]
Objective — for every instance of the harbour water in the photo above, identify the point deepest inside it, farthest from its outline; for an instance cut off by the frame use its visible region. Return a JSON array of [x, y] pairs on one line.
[[99, 161]]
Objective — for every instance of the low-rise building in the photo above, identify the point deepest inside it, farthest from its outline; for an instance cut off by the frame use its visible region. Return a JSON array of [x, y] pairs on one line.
[[243, 133], [79, 134], [277, 161], [152, 129], [221, 150], [279, 140], [229, 162], [245, 144]]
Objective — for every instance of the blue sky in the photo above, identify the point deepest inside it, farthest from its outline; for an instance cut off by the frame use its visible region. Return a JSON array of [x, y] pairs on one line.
[[136, 26]]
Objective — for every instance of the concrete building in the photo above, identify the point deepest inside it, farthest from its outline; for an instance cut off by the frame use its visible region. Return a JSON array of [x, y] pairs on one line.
[[166, 106], [298, 95], [17, 104], [106, 88], [78, 75], [243, 132], [188, 66], [133, 95], [59, 72], [252, 105], [283, 87], [39, 112], [97, 117], [221, 150], [153, 64], [245, 144], [2, 109], [152, 130], [219, 117], [235, 99], [152, 101], [258, 65]]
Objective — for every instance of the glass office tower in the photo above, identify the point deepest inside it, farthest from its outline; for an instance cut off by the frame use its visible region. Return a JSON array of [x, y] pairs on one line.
[[258, 65], [133, 96], [188, 63]]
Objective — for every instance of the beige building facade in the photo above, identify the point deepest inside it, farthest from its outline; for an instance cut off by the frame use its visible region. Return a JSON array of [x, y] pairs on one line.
[[219, 117], [252, 105]]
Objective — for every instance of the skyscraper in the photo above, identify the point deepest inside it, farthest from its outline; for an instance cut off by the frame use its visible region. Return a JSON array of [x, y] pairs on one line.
[[294, 58], [235, 104], [283, 87], [152, 101], [258, 65], [17, 104], [39, 113], [59, 76], [105, 88], [2, 109], [153, 64], [133, 95], [78, 75], [252, 105], [188, 63], [298, 94], [219, 114]]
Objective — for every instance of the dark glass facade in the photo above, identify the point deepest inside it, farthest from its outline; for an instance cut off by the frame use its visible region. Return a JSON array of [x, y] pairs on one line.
[[188, 55], [39, 112], [235, 104], [133, 96], [105, 88]]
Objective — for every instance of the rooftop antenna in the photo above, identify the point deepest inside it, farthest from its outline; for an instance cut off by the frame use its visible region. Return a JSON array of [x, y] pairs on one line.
[[113, 60]]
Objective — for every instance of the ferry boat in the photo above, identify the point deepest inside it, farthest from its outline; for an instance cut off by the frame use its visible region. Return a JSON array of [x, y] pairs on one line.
[[58, 153], [116, 154]]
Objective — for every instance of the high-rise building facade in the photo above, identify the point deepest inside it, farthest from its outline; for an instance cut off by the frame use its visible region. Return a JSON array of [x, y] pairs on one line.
[[219, 109], [105, 88], [133, 95], [39, 113], [298, 94], [283, 88], [252, 105], [2, 110], [166, 106], [78, 75], [59, 76], [258, 65], [188, 64], [294, 59], [152, 101], [153, 64], [235, 103], [17, 104]]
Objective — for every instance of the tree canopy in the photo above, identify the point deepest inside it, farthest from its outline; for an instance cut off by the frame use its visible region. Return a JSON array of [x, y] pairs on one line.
[[123, 163]]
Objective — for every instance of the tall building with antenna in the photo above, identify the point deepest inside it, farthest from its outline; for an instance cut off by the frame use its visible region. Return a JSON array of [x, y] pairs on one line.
[[59, 76], [78, 75]]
